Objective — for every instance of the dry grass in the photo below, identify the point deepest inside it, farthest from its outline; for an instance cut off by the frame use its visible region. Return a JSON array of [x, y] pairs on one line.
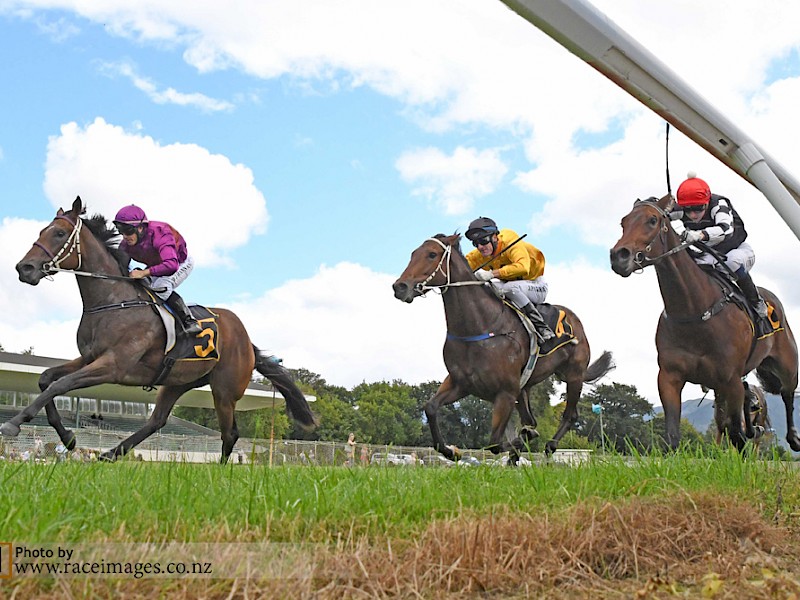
[[673, 547]]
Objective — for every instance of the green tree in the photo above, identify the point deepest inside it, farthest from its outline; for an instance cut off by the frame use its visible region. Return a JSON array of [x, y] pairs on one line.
[[624, 418], [387, 413]]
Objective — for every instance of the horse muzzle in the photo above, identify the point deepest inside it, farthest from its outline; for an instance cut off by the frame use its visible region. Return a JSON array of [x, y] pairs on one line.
[[29, 272], [404, 292], [622, 261]]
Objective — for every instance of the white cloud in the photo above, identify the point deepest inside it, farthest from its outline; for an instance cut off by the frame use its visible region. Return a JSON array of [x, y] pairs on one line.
[[165, 96], [172, 182], [452, 182], [345, 324]]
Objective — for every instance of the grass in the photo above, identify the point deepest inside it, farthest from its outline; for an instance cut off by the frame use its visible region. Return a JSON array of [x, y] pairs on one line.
[[687, 525], [200, 503]]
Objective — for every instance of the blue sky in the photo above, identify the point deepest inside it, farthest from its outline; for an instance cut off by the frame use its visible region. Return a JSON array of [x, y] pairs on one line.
[[306, 148]]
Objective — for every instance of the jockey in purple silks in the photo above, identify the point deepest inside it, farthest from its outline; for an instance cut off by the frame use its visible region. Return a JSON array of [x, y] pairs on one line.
[[162, 249]]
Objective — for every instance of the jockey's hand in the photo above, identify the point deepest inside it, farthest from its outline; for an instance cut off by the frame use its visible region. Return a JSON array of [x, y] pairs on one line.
[[678, 226], [694, 236], [139, 274], [483, 274]]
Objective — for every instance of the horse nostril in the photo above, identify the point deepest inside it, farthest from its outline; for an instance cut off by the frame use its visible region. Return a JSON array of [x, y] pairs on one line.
[[24, 268]]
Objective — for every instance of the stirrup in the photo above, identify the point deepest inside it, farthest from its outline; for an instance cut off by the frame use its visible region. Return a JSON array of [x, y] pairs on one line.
[[761, 308], [191, 326]]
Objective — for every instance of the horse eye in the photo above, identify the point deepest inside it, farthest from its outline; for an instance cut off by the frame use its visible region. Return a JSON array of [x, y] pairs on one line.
[[61, 233], [432, 255], [653, 221]]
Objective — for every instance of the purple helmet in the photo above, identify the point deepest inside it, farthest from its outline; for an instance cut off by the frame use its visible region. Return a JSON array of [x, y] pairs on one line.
[[131, 215]]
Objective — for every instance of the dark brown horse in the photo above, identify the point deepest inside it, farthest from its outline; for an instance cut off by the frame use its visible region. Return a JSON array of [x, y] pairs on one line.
[[490, 367], [702, 336], [121, 339]]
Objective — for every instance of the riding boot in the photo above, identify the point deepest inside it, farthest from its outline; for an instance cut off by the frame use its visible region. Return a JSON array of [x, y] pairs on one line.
[[750, 292], [543, 332], [178, 306]]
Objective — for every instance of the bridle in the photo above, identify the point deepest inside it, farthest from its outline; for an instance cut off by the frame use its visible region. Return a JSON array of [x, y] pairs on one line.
[[73, 244], [444, 268], [641, 258]]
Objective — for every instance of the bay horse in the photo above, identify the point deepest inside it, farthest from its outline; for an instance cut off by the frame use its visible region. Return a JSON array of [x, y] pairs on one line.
[[702, 336], [490, 367], [121, 338]]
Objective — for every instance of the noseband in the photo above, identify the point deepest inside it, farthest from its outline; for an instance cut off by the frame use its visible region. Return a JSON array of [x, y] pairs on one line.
[[73, 244]]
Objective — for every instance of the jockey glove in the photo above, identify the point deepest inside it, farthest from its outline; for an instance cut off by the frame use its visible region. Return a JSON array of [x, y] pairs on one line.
[[483, 274], [694, 236]]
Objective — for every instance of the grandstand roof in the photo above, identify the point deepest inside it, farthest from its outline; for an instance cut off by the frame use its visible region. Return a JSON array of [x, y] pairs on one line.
[[20, 373]]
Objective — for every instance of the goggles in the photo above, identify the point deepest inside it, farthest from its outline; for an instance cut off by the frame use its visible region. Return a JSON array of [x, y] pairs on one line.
[[695, 209], [482, 241], [125, 229]]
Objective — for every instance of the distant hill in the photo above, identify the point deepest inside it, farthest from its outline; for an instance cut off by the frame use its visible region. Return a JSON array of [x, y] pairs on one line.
[[701, 415]]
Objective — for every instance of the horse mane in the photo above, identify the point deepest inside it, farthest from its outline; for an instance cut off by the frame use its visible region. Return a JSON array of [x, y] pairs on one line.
[[108, 235]]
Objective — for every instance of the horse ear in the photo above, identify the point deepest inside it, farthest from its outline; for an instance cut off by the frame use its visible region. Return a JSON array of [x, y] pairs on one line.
[[59, 212], [77, 206], [666, 203]]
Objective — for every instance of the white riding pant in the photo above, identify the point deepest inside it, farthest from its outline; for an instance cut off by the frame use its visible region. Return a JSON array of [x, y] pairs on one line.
[[170, 282], [743, 256], [523, 291]]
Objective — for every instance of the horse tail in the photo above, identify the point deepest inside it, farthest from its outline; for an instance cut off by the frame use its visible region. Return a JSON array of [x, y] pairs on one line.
[[282, 380], [600, 367]]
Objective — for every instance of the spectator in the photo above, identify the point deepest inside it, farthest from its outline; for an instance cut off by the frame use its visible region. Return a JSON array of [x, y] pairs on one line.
[[351, 449]]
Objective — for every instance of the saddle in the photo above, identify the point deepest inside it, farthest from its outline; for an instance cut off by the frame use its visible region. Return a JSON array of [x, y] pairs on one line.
[[761, 327], [182, 347], [556, 320]]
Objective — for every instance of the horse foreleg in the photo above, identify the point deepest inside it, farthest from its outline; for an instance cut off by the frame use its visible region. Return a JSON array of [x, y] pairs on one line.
[[669, 389], [446, 394], [569, 417], [165, 400], [94, 373], [67, 436]]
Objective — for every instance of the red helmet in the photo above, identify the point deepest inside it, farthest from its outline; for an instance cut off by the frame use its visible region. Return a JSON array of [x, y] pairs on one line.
[[693, 192]]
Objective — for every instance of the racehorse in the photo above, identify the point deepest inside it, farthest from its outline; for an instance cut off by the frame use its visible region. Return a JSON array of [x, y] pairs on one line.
[[122, 339], [702, 336], [487, 349]]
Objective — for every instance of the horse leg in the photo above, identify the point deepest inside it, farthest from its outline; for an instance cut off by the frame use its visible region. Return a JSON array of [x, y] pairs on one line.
[[67, 436], [446, 394], [94, 373], [227, 424], [669, 389], [503, 405], [165, 400], [569, 417], [730, 399], [791, 431], [528, 431], [749, 431]]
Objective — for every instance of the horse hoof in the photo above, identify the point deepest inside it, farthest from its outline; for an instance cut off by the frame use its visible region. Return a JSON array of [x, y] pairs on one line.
[[528, 433], [107, 457], [72, 442], [550, 448], [8, 429]]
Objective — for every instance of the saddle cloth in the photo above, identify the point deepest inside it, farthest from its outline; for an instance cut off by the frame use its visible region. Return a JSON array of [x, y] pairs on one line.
[[180, 346]]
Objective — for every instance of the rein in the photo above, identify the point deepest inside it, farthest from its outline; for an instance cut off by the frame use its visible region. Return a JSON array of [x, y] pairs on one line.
[[642, 260]]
